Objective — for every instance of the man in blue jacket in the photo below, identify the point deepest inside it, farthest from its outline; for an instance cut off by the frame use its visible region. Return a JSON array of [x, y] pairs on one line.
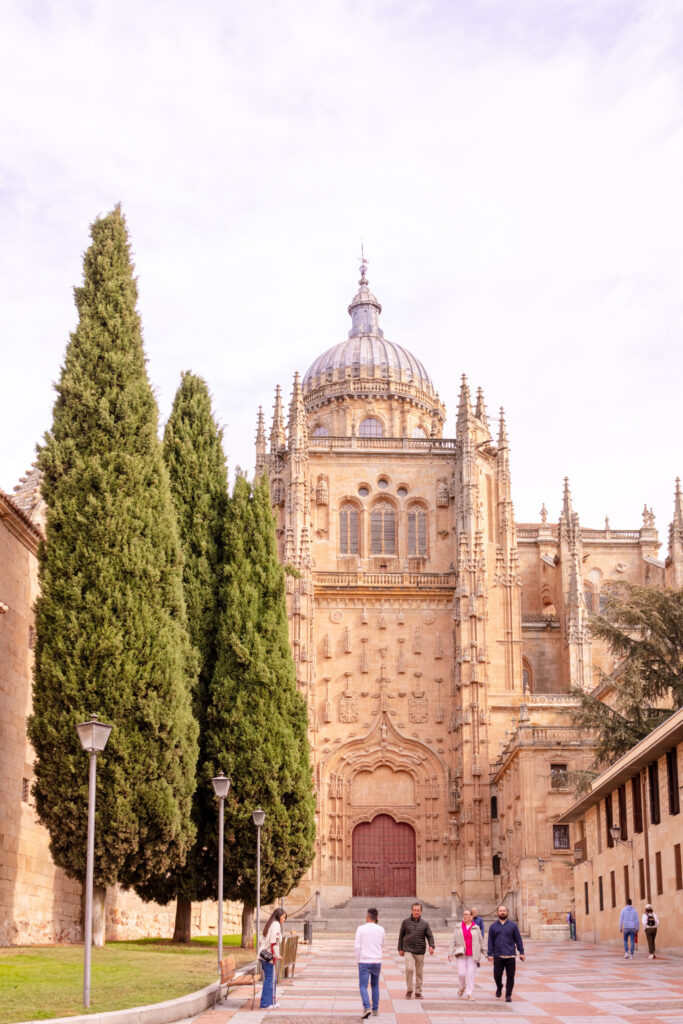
[[628, 926], [504, 941]]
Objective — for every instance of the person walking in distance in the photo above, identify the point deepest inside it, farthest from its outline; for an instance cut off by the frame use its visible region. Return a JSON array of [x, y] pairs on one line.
[[650, 926], [369, 946], [504, 941], [479, 921], [414, 937], [628, 926], [571, 921], [466, 946], [269, 947]]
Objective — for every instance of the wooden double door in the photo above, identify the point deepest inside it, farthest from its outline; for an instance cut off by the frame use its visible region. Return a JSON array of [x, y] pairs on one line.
[[383, 858]]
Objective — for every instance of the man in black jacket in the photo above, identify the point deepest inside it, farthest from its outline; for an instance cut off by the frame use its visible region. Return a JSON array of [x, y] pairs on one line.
[[504, 941], [413, 938]]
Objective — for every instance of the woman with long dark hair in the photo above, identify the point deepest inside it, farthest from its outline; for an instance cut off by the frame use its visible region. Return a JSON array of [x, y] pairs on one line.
[[269, 943]]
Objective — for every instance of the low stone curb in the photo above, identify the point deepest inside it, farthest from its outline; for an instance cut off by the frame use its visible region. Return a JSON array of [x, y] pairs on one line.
[[157, 1013]]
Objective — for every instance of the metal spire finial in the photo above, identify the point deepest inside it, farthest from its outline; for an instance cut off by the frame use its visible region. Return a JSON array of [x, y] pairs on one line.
[[363, 265]]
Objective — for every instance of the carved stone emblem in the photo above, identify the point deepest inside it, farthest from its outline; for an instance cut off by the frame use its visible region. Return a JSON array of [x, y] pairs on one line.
[[348, 707], [418, 706]]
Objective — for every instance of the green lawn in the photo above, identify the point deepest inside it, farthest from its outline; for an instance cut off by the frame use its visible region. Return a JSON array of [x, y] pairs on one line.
[[37, 982]]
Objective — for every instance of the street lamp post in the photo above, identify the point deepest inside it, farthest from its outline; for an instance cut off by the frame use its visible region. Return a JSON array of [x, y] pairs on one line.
[[93, 736], [221, 787], [259, 817]]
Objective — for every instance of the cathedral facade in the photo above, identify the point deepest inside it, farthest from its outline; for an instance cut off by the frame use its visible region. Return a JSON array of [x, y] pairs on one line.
[[436, 640]]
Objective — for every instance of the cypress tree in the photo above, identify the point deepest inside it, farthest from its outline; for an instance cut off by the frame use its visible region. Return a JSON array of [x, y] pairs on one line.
[[110, 620], [256, 718], [194, 456]]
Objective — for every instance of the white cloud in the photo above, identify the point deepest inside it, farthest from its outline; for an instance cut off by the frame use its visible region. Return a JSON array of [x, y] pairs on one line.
[[514, 170]]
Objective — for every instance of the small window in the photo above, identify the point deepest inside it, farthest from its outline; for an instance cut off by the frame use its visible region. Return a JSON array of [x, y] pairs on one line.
[[370, 427], [25, 790], [653, 779], [348, 530], [560, 837], [559, 777], [585, 898], [641, 877], [623, 820], [402, 492], [495, 863], [627, 886], [31, 637], [382, 483], [609, 821], [637, 804], [678, 866], [672, 782], [613, 888], [494, 808], [601, 896], [321, 432], [363, 491], [658, 873], [417, 532]]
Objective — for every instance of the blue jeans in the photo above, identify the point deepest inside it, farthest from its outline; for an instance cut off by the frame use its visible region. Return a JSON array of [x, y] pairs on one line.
[[369, 972], [629, 933], [268, 989]]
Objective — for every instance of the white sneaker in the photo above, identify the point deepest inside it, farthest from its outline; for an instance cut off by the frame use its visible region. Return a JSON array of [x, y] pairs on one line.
[[625, 956]]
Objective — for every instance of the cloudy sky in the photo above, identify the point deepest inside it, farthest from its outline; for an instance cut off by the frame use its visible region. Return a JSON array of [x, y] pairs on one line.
[[514, 167]]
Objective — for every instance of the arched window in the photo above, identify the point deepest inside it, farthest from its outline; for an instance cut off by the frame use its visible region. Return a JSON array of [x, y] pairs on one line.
[[607, 591], [370, 427], [417, 532], [420, 432], [527, 677], [321, 432], [383, 529], [588, 597], [348, 530], [494, 808]]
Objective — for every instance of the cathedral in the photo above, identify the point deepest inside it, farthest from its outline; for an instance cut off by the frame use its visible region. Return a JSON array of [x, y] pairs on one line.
[[436, 640]]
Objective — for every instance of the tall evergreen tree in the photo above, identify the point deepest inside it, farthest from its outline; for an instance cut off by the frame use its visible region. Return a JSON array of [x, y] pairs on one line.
[[194, 456], [643, 628], [256, 718], [110, 620]]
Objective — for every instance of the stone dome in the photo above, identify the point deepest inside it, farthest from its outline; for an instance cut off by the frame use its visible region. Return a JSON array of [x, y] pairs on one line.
[[366, 352], [377, 357]]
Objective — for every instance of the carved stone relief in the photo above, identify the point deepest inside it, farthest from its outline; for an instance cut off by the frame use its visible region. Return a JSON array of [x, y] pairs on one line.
[[322, 491], [418, 706]]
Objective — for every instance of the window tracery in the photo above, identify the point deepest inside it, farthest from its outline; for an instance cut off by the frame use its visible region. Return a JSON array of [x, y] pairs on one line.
[[348, 530]]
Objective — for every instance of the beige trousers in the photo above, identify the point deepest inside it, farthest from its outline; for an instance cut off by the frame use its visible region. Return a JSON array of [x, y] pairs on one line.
[[414, 962]]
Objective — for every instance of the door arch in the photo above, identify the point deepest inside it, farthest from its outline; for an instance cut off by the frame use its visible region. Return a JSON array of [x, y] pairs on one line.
[[383, 858]]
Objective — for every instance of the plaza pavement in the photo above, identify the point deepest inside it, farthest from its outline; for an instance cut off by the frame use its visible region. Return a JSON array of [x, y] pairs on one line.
[[559, 983]]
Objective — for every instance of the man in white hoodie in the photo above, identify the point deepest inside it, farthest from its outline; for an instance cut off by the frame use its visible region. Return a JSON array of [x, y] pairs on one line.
[[369, 947]]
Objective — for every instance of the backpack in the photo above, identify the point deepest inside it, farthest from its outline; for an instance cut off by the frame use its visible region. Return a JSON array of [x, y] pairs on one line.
[[650, 920]]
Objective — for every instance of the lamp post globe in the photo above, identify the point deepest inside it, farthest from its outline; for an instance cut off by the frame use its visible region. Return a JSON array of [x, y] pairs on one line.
[[221, 787], [93, 736]]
